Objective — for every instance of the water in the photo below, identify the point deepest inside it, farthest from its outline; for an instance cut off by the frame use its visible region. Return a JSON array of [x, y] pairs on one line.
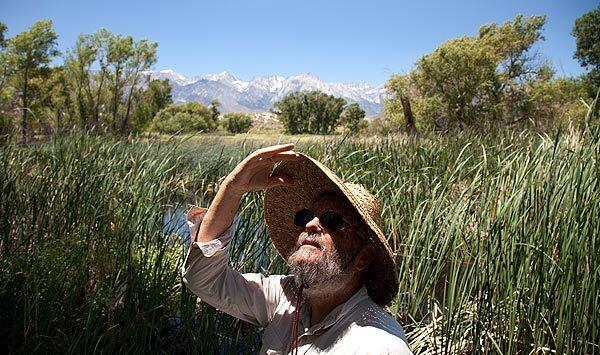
[[175, 222]]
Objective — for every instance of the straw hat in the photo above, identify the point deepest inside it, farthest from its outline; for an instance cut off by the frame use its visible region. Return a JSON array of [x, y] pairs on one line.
[[311, 179]]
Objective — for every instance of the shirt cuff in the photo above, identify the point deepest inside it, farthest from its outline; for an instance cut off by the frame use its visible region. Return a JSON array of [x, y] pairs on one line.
[[210, 248]]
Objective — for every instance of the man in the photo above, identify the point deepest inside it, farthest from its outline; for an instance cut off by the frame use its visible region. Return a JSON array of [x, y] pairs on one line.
[[329, 233]]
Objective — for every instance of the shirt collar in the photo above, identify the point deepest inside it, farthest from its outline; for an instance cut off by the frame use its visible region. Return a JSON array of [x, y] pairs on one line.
[[336, 314]]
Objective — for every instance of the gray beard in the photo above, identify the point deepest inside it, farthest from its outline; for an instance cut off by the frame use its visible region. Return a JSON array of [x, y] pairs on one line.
[[327, 272]]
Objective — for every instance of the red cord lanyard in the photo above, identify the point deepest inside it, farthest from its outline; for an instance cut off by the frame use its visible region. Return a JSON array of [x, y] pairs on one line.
[[295, 322]]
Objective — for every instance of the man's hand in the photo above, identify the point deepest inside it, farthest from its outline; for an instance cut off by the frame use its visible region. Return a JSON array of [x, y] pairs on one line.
[[253, 173]]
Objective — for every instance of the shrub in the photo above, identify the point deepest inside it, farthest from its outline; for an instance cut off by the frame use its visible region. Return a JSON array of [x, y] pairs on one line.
[[353, 118], [309, 112], [236, 122], [188, 118], [379, 126]]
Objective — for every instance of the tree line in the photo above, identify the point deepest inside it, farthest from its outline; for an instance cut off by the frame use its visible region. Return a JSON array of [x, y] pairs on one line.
[[102, 84], [498, 78]]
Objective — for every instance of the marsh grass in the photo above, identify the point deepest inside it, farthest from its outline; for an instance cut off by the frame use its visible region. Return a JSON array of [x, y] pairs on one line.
[[496, 239]]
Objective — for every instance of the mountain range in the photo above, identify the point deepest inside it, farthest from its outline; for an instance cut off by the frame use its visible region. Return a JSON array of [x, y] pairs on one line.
[[261, 92]]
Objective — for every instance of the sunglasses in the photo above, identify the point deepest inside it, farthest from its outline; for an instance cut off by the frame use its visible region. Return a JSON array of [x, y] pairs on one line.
[[329, 220]]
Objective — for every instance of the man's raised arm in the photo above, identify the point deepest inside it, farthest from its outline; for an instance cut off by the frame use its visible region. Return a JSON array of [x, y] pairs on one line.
[[250, 297], [252, 174]]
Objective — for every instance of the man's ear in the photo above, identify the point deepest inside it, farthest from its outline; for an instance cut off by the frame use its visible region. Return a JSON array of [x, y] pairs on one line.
[[364, 258]]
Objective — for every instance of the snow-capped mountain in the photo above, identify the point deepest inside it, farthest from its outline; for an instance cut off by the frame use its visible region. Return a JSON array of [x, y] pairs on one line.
[[174, 77], [261, 92]]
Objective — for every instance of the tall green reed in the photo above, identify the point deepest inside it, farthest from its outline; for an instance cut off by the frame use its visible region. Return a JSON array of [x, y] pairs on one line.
[[496, 241]]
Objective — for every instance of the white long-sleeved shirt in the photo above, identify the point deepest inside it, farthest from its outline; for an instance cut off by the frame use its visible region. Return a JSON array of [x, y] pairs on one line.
[[358, 326]]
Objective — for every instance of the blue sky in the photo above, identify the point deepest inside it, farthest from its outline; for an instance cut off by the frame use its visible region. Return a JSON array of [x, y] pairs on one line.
[[339, 41]]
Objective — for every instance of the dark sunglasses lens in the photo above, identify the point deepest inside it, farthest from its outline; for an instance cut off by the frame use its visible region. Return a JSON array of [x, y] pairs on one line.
[[302, 217], [331, 220]]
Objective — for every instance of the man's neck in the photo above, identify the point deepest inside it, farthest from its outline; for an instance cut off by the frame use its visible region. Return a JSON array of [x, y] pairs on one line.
[[322, 302]]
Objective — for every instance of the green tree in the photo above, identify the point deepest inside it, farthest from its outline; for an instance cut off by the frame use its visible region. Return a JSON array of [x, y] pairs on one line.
[[309, 112], [459, 74], [397, 106], [89, 85], [353, 118], [57, 106], [30, 52], [8, 99], [108, 73], [119, 51], [103, 81], [236, 122], [587, 34], [556, 103], [188, 118], [214, 109], [475, 81], [142, 58], [3, 30], [155, 97], [519, 67], [6, 93]]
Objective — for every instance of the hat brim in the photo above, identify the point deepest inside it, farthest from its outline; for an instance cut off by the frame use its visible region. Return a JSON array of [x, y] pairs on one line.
[[311, 179]]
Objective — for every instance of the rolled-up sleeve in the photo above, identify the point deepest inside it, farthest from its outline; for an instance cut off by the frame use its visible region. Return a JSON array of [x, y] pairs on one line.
[[250, 297]]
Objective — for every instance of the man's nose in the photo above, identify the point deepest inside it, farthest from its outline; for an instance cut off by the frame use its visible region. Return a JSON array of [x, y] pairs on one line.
[[314, 224]]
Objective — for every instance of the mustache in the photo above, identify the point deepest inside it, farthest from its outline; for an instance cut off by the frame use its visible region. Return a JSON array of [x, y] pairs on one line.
[[312, 237]]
